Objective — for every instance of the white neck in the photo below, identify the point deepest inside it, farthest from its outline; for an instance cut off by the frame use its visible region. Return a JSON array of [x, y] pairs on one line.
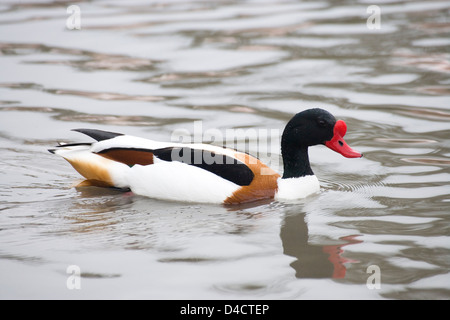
[[297, 188]]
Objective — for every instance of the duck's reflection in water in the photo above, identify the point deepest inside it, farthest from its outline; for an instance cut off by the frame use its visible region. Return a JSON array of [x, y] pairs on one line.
[[313, 261]]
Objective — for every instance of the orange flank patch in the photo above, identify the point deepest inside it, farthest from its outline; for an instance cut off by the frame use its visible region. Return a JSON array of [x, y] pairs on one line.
[[92, 183], [129, 157], [263, 186], [93, 171]]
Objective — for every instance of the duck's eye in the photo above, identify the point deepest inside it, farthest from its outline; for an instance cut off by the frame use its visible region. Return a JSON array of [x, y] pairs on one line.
[[322, 123]]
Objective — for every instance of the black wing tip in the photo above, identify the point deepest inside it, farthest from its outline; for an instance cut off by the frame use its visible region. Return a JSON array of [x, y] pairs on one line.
[[98, 135]]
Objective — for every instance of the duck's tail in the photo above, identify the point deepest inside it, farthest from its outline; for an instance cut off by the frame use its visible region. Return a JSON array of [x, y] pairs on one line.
[[98, 170]]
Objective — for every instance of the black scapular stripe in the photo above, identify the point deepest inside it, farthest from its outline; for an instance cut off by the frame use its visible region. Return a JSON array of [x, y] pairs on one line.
[[224, 166]]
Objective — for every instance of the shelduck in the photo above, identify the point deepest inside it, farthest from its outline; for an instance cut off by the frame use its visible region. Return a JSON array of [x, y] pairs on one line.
[[203, 172]]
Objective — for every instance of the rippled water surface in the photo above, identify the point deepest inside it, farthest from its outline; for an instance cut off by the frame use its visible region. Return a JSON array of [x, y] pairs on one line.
[[152, 68]]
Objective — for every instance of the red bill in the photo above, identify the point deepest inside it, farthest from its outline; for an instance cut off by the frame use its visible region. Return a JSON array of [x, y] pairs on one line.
[[338, 144]]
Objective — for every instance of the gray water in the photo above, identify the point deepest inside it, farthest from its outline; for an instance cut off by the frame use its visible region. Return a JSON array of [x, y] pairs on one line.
[[152, 68]]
